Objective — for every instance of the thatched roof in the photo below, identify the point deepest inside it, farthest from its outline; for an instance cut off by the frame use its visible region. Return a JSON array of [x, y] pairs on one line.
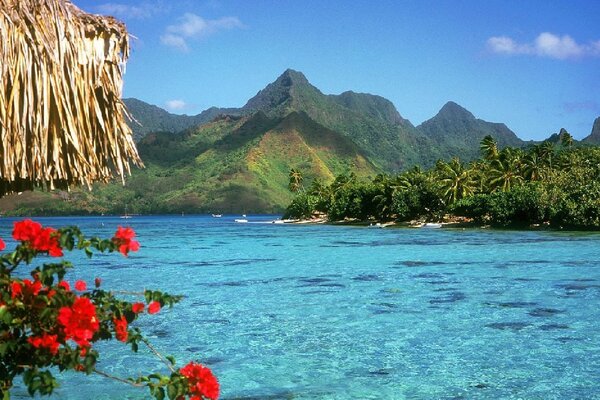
[[62, 121]]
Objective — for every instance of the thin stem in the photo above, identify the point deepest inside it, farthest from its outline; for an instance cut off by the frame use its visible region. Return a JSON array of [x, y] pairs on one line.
[[126, 292], [116, 378], [157, 354]]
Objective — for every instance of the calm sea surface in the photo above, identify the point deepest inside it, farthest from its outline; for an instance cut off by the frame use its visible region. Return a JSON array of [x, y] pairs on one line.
[[322, 312]]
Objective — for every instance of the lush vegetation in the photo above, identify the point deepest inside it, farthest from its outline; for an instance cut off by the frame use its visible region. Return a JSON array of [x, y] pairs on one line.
[[232, 165], [547, 184], [239, 161]]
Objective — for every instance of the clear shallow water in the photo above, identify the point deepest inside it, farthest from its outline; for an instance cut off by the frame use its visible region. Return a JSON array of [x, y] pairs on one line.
[[322, 312]]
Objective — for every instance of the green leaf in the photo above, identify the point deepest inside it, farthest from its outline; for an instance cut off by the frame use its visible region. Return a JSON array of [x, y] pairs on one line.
[[171, 359], [3, 348], [5, 315], [172, 392]]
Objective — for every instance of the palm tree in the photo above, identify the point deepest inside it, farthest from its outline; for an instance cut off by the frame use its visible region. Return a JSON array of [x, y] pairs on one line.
[[479, 172], [296, 179], [534, 167], [505, 174], [384, 199], [566, 139], [62, 120], [489, 148], [410, 178], [457, 182], [546, 151]]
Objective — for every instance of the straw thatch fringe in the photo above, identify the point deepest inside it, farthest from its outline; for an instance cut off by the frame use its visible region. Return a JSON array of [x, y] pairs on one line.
[[62, 121]]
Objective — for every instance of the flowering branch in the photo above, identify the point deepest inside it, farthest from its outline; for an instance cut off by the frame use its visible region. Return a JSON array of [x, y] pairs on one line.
[[169, 362], [116, 378], [45, 323]]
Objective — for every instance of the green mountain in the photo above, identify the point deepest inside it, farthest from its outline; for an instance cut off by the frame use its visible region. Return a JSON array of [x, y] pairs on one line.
[[372, 122], [556, 138], [594, 137], [230, 165], [150, 119], [238, 159], [456, 132]]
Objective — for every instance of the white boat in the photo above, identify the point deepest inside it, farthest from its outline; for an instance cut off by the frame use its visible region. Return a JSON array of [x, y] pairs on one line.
[[241, 220], [217, 215], [432, 225], [125, 215], [377, 225]]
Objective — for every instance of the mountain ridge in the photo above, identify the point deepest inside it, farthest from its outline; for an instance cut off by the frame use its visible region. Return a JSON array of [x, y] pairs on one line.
[[594, 136], [458, 132], [238, 159]]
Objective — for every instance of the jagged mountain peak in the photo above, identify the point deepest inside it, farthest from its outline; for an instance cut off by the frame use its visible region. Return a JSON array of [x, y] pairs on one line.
[[458, 132], [277, 93], [292, 77], [452, 110], [594, 137]]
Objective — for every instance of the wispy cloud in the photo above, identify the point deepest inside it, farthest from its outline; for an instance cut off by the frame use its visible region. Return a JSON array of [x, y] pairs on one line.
[[192, 26], [125, 11], [176, 105], [545, 45]]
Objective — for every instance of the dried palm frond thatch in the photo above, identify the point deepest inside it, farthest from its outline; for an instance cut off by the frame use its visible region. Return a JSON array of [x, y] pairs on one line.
[[62, 121]]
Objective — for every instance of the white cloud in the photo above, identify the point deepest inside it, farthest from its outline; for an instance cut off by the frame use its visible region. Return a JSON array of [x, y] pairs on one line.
[[174, 41], [144, 10], [176, 105], [549, 45], [192, 26], [545, 45], [503, 45]]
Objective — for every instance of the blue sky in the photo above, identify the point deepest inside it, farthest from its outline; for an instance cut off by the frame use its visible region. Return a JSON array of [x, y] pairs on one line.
[[534, 65]]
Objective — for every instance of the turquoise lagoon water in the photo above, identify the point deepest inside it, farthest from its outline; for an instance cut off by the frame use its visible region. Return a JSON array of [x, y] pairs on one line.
[[333, 312]]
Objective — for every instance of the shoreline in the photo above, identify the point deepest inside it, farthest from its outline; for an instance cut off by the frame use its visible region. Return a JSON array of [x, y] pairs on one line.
[[441, 225]]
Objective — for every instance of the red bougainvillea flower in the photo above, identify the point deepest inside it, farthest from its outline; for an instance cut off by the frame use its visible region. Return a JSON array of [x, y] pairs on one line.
[[79, 321], [202, 383], [15, 289], [32, 288], [124, 239], [65, 285], [26, 230], [138, 307], [48, 240], [121, 329], [2, 245], [153, 307], [40, 239], [49, 342], [25, 289], [80, 286]]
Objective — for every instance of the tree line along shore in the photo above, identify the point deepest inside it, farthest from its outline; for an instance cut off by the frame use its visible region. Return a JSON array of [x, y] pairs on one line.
[[548, 184]]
